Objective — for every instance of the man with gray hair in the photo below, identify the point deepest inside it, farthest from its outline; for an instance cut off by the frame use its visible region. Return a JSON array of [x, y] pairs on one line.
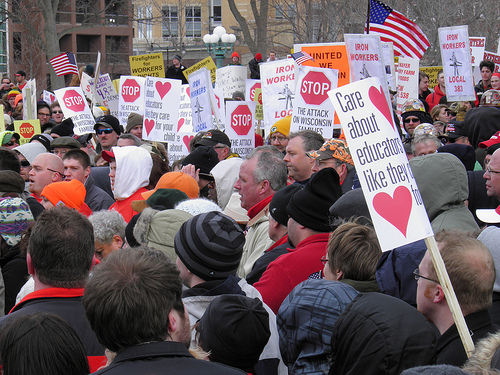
[[128, 139], [109, 232], [261, 175], [300, 166], [425, 144]]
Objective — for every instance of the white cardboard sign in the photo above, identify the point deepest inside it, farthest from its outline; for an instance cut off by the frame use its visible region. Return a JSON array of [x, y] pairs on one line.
[[74, 104], [390, 190], [477, 44], [31, 88], [185, 123], [48, 97], [200, 99], [240, 118], [179, 148], [312, 108], [407, 80], [131, 97], [230, 79], [161, 109], [390, 69], [455, 55]]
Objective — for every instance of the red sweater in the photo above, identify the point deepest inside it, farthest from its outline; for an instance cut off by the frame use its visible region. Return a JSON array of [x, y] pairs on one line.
[[289, 270]]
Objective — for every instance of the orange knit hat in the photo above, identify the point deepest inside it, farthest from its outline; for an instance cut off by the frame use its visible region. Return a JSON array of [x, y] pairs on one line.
[[70, 194], [176, 180]]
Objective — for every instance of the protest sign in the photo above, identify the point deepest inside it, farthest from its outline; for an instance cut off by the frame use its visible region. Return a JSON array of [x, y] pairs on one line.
[[106, 95], [27, 129], [476, 49], [48, 97], [240, 126], [179, 148], [312, 108], [29, 100], [390, 69], [200, 100], [254, 94], [161, 109], [131, 97], [407, 81], [185, 123], [455, 55], [86, 83], [384, 172], [205, 63], [73, 104], [150, 65], [278, 90], [432, 72], [231, 79], [218, 106], [2, 120], [490, 56]]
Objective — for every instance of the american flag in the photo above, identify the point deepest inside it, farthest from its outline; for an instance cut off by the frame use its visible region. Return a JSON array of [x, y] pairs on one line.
[[65, 63], [301, 57], [408, 39]]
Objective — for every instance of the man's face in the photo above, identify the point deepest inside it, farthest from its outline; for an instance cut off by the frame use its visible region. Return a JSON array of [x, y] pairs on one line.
[[73, 170], [492, 178], [235, 59], [279, 140], [137, 130], [424, 84], [60, 151], [486, 74], [25, 167], [425, 148], [441, 80], [112, 173], [41, 175], [298, 164], [176, 62], [411, 122], [43, 115], [123, 142], [222, 152], [19, 78], [107, 137], [425, 288], [103, 250], [248, 189], [272, 56], [12, 102]]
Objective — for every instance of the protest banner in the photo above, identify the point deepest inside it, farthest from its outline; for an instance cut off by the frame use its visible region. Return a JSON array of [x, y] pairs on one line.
[[455, 55], [185, 123], [29, 100], [366, 59], [27, 129], [390, 69], [201, 106], [106, 95], [2, 120], [231, 79], [218, 107], [86, 83], [407, 81], [240, 126], [48, 97], [254, 94], [179, 148], [161, 109], [476, 45], [205, 63], [312, 108], [131, 97], [150, 65], [389, 188], [490, 56], [432, 72], [278, 90], [73, 104]]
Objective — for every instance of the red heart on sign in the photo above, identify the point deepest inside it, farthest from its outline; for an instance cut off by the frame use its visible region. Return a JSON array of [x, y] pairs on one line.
[[180, 123], [396, 210], [149, 125], [187, 139], [379, 100], [52, 97], [163, 88], [188, 92]]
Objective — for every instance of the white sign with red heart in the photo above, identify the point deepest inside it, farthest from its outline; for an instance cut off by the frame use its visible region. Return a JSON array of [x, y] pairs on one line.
[[161, 109], [185, 123], [396, 207], [179, 148]]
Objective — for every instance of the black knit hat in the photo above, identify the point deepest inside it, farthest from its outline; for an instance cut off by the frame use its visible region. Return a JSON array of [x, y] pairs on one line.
[[64, 129], [210, 245], [277, 207], [203, 158], [109, 121], [235, 330], [310, 206], [44, 139], [351, 205]]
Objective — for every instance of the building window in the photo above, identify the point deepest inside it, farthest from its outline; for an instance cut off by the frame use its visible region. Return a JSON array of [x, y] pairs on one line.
[[170, 21], [217, 12], [145, 22], [193, 21]]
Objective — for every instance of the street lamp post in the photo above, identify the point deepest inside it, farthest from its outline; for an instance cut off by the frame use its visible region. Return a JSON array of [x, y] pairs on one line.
[[219, 43]]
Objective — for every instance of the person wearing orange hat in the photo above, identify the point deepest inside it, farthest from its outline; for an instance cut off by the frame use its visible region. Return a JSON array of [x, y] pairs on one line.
[[278, 135], [176, 180], [235, 59], [11, 97], [70, 194]]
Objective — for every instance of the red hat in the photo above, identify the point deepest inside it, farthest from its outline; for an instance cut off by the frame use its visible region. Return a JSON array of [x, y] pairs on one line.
[[235, 54], [258, 56], [495, 138], [108, 155]]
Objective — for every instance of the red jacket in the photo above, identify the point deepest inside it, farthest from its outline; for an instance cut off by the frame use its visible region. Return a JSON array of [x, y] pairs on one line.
[[433, 99], [289, 270], [124, 206]]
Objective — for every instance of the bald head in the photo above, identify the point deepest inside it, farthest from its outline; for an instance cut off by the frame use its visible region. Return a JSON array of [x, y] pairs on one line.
[[492, 176], [46, 169]]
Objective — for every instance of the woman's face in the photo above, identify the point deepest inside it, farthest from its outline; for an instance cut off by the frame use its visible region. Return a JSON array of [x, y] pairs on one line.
[[444, 115], [495, 82], [57, 115]]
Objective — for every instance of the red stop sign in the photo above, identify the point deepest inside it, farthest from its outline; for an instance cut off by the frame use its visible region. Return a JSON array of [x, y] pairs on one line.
[[241, 120], [74, 101], [27, 130], [315, 87], [252, 91], [130, 90]]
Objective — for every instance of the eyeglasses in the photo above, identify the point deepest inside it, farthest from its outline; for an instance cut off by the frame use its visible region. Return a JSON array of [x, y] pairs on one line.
[[279, 139], [324, 260], [25, 163], [56, 112], [105, 131], [43, 114], [413, 120], [61, 174], [418, 276], [490, 171]]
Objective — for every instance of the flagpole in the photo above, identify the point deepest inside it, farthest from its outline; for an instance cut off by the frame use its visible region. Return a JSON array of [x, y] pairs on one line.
[[368, 19]]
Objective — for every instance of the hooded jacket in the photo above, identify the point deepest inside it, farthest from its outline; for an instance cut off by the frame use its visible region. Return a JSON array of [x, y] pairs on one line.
[[481, 123], [433, 99], [225, 175], [442, 182]]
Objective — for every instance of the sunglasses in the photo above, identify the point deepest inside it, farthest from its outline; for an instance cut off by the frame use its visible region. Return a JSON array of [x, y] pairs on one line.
[[11, 143], [57, 112], [413, 120], [105, 131], [25, 163]]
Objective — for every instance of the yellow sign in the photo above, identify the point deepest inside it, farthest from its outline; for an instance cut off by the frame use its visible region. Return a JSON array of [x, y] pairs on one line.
[[208, 63], [432, 73], [147, 65], [27, 129], [2, 120]]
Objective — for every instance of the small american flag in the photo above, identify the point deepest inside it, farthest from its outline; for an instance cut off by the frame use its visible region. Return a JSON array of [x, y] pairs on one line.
[[408, 39], [64, 64], [301, 57]]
